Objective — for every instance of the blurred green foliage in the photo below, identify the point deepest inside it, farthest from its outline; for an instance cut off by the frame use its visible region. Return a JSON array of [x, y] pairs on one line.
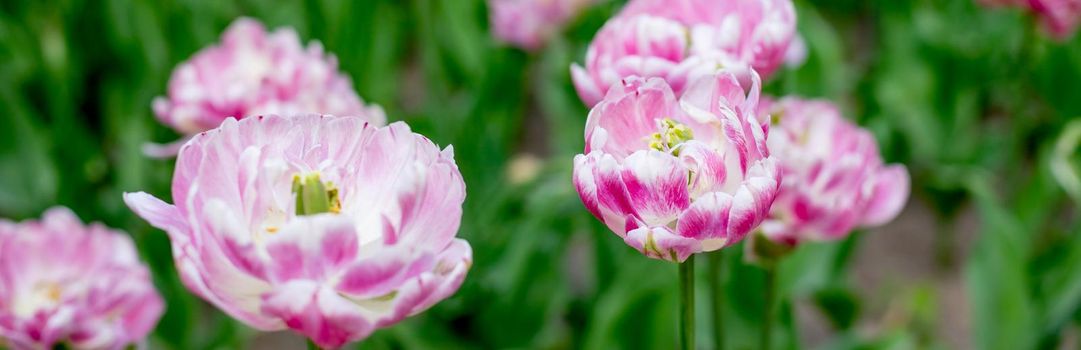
[[972, 100]]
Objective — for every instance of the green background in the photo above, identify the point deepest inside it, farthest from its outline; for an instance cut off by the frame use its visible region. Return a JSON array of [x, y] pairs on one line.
[[972, 100]]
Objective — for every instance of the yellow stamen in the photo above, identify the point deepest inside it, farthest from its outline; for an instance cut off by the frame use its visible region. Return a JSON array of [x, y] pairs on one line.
[[52, 292], [670, 136]]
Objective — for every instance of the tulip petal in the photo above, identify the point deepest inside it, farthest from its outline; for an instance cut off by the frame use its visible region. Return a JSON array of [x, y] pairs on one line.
[[586, 87], [311, 248], [662, 243], [383, 272], [656, 184], [628, 115], [162, 215], [317, 312], [707, 221], [889, 195], [438, 283]]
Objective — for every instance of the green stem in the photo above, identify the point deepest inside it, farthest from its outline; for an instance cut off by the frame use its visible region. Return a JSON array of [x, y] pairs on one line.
[[686, 301], [716, 269], [311, 344], [770, 305]]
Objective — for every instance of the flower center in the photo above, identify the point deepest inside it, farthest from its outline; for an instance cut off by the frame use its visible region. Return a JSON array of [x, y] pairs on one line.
[[671, 135], [43, 295], [314, 196]]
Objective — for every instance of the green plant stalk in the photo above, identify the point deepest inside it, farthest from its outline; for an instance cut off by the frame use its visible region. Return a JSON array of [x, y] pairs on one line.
[[311, 345], [686, 301], [770, 305], [716, 269]]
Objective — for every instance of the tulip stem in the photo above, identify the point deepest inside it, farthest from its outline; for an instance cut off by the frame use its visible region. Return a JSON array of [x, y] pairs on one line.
[[715, 278], [770, 304], [311, 344], [686, 300]]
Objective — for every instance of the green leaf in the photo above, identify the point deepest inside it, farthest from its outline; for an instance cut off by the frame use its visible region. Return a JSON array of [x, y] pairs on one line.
[[996, 279]]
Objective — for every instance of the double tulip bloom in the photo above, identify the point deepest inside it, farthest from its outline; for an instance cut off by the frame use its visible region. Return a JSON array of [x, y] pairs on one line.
[[253, 72], [529, 23], [329, 226], [834, 177], [682, 40], [65, 283], [677, 177]]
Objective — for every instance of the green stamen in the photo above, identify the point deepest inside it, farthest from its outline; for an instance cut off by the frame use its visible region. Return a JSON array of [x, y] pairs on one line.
[[315, 197]]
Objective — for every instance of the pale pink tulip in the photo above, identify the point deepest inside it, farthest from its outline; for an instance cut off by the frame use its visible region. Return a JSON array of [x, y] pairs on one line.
[[529, 23], [329, 226], [63, 282], [834, 178], [643, 46], [663, 38], [677, 177], [253, 72]]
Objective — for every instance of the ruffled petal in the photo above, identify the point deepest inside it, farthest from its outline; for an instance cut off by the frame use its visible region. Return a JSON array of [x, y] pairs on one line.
[[707, 221], [656, 185], [587, 88], [890, 191], [318, 313], [628, 115], [381, 273], [434, 285], [311, 248], [661, 243]]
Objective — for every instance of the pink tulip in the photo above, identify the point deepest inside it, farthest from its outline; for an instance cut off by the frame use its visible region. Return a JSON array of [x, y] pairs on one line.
[[756, 32], [62, 282], [529, 23], [253, 72], [834, 179], [640, 45], [677, 177], [329, 226], [662, 38], [996, 3], [1059, 17]]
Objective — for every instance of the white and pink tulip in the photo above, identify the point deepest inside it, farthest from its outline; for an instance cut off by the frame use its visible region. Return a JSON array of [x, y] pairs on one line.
[[834, 178], [669, 39], [63, 282], [528, 24], [677, 177], [255, 72], [329, 226]]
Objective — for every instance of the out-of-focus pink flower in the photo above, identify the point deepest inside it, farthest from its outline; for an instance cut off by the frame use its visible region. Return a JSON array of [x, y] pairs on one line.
[[797, 52], [677, 177], [1060, 17], [65, 282], [653, 38], [834, 179], [1003, 2], [529, 23], [253, 72], [756, 32], [643, 46], [326, 225]]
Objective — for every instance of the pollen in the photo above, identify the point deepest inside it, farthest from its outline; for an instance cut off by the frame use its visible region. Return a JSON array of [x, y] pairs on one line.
[[52, 292], [670, 136]]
